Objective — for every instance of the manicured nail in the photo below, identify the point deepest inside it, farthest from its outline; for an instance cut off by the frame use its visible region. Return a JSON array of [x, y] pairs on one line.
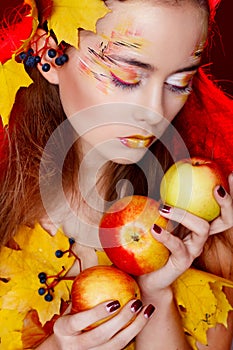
[[137, 305], [113, 306], [157, 229], [221, 191], [165, 209], [149, 311]]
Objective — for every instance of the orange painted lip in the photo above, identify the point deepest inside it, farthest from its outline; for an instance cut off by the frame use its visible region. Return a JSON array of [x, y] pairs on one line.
[[137, 141]]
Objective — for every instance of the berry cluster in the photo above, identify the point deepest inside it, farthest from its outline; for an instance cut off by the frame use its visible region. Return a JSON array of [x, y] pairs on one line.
[[59, 253], [48, 289], [60, 60], [31, 59]]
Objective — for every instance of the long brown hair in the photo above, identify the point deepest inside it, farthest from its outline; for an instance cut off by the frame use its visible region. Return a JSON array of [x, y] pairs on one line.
[[37, 112]]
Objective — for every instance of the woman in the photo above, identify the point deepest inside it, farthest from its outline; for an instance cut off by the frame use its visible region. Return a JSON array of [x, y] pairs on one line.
[[120, 90]]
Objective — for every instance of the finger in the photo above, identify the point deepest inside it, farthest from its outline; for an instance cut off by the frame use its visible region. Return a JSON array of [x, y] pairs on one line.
[[223, 198], [173, 243], [225, 220], [68, 325], [108, 329], [230, 181], [197, 225], [183, 252], [178, 261], [122, 338]]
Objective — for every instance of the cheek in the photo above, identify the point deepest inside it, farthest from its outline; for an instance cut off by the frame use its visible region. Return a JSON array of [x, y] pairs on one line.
[[69, 89], [173, 105], [95, 137], [78, 90]]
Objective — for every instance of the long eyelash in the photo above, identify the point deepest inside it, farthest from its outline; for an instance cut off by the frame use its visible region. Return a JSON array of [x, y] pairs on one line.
[[179, 90], [123, 84]]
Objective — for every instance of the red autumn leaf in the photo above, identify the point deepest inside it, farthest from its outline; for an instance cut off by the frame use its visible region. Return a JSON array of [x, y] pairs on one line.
[[44, 9], [16, 25]]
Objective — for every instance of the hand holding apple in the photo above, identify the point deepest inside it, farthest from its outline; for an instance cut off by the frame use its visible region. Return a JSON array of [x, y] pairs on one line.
[[124, 233], [98, 284], [189, 185]]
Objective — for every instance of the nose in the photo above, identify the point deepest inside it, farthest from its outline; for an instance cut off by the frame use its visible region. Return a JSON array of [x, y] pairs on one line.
[[151, 109]]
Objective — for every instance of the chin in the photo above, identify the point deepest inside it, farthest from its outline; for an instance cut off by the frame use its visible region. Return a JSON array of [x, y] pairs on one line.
[[131, 156], [125, 161]]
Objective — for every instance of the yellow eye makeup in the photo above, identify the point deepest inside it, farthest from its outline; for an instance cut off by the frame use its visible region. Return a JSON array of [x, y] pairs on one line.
[[124, 78], [180, 83], [180, 79]]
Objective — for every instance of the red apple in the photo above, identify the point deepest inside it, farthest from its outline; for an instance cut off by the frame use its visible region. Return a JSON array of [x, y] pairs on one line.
[[124, 233], [189, 184], [98, 284]]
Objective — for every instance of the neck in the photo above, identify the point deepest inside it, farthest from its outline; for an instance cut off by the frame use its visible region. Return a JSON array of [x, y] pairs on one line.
[[90, 172]]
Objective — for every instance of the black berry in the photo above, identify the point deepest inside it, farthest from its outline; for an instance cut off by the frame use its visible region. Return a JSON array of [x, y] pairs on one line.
[[59, 253], [41, 291], [71, 241], [42, 275], [45, 67], [52, 53], [22, 55], [30, 61], [48, 297]]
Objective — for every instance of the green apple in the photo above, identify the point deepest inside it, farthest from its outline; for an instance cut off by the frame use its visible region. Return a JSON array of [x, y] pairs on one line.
[[189, 184]]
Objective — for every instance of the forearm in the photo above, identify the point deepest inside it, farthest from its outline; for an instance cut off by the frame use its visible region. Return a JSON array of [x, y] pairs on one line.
[[164, 330]]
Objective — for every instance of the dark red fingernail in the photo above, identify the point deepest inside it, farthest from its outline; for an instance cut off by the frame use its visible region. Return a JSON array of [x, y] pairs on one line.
[[137, 305], [165, 208], [157, 229], [221, 191], [113, 306], [149, 311]]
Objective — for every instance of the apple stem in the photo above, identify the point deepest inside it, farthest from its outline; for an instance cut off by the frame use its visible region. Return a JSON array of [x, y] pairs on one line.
[[135, 237]]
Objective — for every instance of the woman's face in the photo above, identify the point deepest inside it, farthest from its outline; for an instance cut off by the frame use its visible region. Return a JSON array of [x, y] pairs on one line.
[[127, 81]]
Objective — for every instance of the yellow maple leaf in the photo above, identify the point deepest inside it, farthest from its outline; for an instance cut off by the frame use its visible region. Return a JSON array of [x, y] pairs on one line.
[[222, 303], [21, 269], [12, 77], [103, 259], [10, 331], [68, 16], [202, 303]]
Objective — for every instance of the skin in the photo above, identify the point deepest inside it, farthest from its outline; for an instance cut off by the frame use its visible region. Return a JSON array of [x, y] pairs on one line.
[[153, 88], [81, 76]]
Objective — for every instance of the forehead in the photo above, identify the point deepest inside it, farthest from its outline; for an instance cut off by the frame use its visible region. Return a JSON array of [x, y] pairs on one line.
[[140, 28]]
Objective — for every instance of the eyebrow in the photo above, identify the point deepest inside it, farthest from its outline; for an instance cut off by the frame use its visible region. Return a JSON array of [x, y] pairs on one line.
[[131, 62], [147, 66]]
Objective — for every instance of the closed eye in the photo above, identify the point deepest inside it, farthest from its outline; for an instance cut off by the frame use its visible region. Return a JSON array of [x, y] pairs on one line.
[[180, 83], [180, 90], [118, 82]]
